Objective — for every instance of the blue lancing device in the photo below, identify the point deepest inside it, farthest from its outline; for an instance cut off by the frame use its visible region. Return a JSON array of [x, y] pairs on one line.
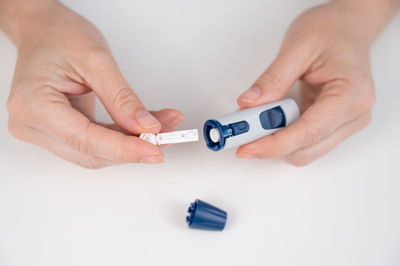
[[244, 126]]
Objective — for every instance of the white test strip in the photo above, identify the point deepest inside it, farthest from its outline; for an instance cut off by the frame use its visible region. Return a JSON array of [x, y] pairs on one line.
[[171, 137]]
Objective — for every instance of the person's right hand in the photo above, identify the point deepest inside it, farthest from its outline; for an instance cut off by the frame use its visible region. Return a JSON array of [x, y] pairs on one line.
[[62, 58], [327, 49]]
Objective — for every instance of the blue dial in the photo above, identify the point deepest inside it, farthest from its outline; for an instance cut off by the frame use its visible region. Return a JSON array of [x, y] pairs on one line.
[[273, 118]]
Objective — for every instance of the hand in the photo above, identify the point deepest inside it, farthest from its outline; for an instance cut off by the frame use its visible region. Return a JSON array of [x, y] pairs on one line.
[[62, 61], [327, 48]]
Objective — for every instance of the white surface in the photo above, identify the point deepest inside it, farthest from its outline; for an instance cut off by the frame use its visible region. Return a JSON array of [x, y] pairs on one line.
[[199, 56]]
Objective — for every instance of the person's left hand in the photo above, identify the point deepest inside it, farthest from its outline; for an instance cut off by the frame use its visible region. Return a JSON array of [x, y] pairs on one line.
[[63, 60]]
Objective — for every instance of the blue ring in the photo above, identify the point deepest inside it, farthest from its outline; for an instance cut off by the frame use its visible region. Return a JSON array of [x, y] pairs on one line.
[[211, 124]]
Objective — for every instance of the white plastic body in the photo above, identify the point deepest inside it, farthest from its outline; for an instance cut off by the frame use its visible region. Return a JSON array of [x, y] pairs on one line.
[[252, 116], [171, 137]]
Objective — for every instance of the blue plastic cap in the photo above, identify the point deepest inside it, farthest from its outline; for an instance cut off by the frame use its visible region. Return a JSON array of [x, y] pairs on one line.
[[205, 216]]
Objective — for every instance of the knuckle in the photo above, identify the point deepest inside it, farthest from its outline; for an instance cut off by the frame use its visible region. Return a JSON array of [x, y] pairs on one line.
[[88, 162], [81, 143], [124, 98], [12, 104], [312, 135], [99, 56], [15, 131], [16, 107], [121, 152], [91, 164], [271, 79], [366, 100], [28, 107]]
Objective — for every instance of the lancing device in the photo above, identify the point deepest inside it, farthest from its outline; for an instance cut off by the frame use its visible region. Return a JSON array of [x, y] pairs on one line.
[[247, 125]]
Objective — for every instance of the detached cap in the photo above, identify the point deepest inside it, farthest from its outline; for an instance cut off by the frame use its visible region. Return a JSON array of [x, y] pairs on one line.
[[205, 216]]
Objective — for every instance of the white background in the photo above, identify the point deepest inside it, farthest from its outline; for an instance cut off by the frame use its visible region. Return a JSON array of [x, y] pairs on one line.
[[198, 56]]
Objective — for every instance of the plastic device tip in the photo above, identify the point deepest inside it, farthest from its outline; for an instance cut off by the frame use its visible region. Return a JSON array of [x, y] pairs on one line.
[[171, 137], [205, 216]]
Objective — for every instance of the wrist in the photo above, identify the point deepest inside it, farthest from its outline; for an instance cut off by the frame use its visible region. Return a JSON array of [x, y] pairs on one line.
[[19, 18], [372, 16]]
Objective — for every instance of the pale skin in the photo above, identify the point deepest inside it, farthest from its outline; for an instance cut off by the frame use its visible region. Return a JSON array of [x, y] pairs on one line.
[[63, 61], [326, 48]]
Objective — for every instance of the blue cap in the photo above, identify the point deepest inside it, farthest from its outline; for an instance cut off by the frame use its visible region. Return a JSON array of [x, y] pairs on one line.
[[205, 216], [225, 131]]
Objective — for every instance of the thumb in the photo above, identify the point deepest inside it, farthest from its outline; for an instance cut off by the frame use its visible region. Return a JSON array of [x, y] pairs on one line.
[[276, 81], [120, 101]]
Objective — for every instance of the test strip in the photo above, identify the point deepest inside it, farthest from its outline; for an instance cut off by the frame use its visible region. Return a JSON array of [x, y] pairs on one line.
[[171, 137]]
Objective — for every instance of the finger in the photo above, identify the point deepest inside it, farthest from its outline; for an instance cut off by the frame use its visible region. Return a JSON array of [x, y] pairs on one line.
[[36, 137], [68, 125], [277, 80], [170, 119], [305, 156], [332, 109], [120, 101]]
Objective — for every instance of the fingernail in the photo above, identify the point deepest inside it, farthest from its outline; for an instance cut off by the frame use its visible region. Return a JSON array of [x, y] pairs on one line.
[[146, 120], [247, 156], [152, 159], [176, 121], [250, 95]]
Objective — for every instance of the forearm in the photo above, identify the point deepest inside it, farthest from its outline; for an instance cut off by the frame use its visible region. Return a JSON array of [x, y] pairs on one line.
[[19, 17], [372, 15], [380, 8]]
